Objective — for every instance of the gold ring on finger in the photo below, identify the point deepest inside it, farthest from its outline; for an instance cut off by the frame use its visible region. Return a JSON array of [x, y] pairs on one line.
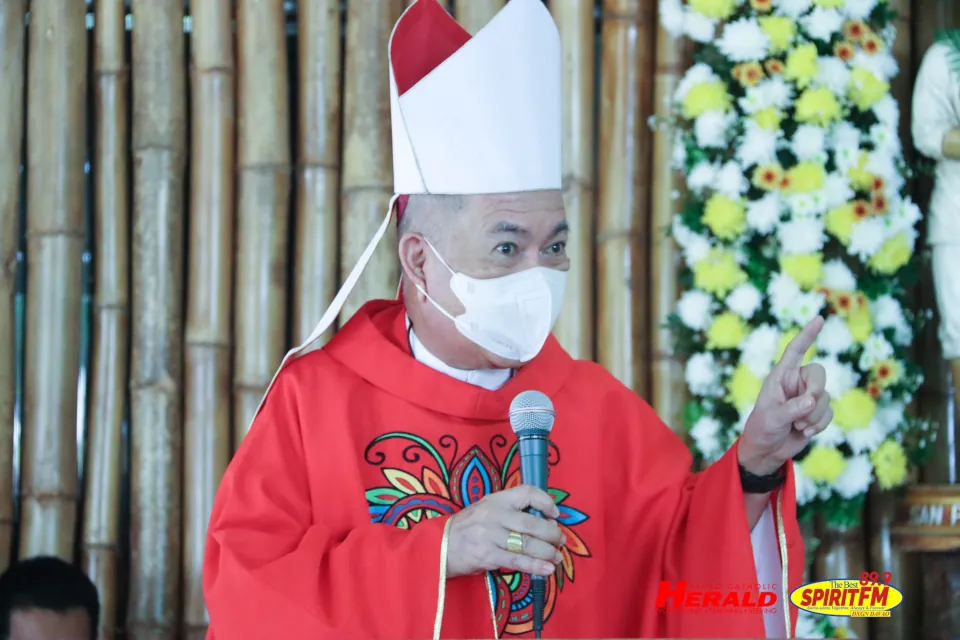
[[515, 542]]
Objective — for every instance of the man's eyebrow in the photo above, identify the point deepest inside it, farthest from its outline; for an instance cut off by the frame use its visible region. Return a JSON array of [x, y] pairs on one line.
[[505, 227], [560, 228]]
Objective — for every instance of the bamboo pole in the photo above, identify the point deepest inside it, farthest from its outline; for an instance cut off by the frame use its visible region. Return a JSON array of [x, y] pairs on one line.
[[367, 180], [666, 376], [12, 61], [111, 340], [841, 553], [56, 126], [207, 341], [474, 15], [623, 190], [263, 203], [575, 22], [318, 165], [159, 153]]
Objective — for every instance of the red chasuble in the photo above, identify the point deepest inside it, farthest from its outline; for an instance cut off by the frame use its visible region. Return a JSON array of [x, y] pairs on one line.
[[330, 521]]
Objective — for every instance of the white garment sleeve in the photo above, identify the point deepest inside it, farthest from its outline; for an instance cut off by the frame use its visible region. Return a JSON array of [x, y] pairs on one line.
[[766, 557], [934, 113]]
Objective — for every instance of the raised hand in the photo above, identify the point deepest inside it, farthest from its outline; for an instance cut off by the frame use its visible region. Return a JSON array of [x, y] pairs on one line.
[[792, 407], [479, 535]]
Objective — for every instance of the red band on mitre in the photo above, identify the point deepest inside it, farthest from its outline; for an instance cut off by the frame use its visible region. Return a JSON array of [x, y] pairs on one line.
[[424, 37], [401, 205]]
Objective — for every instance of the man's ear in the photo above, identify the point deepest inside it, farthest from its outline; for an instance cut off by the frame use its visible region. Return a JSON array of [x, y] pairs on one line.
[[412, 257]]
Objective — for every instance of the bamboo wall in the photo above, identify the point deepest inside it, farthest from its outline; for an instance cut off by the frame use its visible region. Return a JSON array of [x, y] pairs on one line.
[[181, 192]]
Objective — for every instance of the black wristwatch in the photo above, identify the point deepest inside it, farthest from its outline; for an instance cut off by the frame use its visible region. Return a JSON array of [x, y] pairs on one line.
[[752, 483]]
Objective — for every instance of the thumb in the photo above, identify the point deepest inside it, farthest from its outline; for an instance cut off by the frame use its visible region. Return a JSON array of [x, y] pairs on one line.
[[795, 409]]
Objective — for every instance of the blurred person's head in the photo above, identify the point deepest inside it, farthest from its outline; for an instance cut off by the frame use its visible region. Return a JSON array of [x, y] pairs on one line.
[[45, 598]]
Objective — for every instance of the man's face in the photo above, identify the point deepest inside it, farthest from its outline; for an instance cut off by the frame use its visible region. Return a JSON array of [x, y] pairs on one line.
[[494, 236], [42, 624]]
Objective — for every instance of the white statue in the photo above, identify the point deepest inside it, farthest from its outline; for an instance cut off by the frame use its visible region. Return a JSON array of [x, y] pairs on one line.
[[936, 134]]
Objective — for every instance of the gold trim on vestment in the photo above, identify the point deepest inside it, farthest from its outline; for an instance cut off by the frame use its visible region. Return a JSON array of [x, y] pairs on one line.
[[442, 594], [488, 580], [784, 561]]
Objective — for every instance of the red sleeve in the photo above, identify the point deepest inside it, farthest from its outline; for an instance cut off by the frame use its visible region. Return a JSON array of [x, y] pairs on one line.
[[272, 570], [696, 526]]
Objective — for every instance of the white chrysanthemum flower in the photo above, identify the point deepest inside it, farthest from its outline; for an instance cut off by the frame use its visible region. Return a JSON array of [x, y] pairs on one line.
[[881, 64], [697, 74], [808, 142], [731, 180], [844, 134], [743, 41], [783, 291], [833, 73], [836, 190], [887, 111], [808, 624], [706, 436], [710, 129], [801, 236], [822, 23], [875, 349], [763, 215], [671, 17], [744, 300], [699, 27], [695, 247], [792, 8], [841, 376], [832, 436], [885, 139], [865, 438], [702, 176], [838, 276], [759, 348], [806, 306], [803, 206], [835, 337], [678, 154], [846, 157], [887, 313], [890, 416], [904, 215], [866, 238], [779, 93], [855, 478], [702, 374], [806, 492], [880, 162], [758, 146], [858, 9], [694, 309]]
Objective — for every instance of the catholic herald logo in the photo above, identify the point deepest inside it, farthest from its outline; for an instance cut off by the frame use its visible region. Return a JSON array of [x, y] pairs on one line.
[[684, 597], [866, 598]]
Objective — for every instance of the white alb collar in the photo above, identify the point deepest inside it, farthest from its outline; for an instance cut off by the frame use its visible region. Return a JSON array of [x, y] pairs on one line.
[[489, 379]]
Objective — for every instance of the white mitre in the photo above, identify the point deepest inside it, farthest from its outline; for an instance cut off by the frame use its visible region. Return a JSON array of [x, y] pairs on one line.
[[469, 115]]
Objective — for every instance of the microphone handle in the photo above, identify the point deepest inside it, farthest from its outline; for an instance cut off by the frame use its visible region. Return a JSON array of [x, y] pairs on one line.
[[534, 451]]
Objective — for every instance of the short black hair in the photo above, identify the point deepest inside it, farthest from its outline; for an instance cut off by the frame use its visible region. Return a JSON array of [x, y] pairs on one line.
[[46, 583]]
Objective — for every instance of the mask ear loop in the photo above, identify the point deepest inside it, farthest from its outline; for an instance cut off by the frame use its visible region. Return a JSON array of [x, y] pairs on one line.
[[330, 315]]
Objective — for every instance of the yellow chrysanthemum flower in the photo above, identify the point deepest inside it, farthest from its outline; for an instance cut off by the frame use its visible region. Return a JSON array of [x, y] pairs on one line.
[[854, 409], [769, 118], [839, 222], [805, 268], [860, 323], [717, 9], [807, 177], [706, 96], [761, 6], [817, 106], [785, 339], [718, 273], [860, 178], [727, 331], [781, 31], [866, 89], [887, 372], [889, 464], [726, 218], [743, 387], [802, 65], [894, 253], [824, 464], [767, 177], [829, 4]]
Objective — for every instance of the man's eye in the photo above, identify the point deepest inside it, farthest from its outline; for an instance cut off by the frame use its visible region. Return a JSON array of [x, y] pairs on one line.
[[507, 249], [557, 249]]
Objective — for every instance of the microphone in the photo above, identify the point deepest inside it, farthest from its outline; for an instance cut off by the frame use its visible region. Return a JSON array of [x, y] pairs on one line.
[[531, 417]]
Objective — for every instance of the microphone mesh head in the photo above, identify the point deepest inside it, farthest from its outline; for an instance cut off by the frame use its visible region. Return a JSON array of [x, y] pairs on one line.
[[531, 412]]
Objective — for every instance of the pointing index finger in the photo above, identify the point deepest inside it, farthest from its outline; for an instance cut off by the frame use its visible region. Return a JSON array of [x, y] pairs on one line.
[[793, 355]]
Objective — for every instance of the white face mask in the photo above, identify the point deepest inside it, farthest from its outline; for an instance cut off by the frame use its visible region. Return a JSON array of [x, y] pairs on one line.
[[511, 316]]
